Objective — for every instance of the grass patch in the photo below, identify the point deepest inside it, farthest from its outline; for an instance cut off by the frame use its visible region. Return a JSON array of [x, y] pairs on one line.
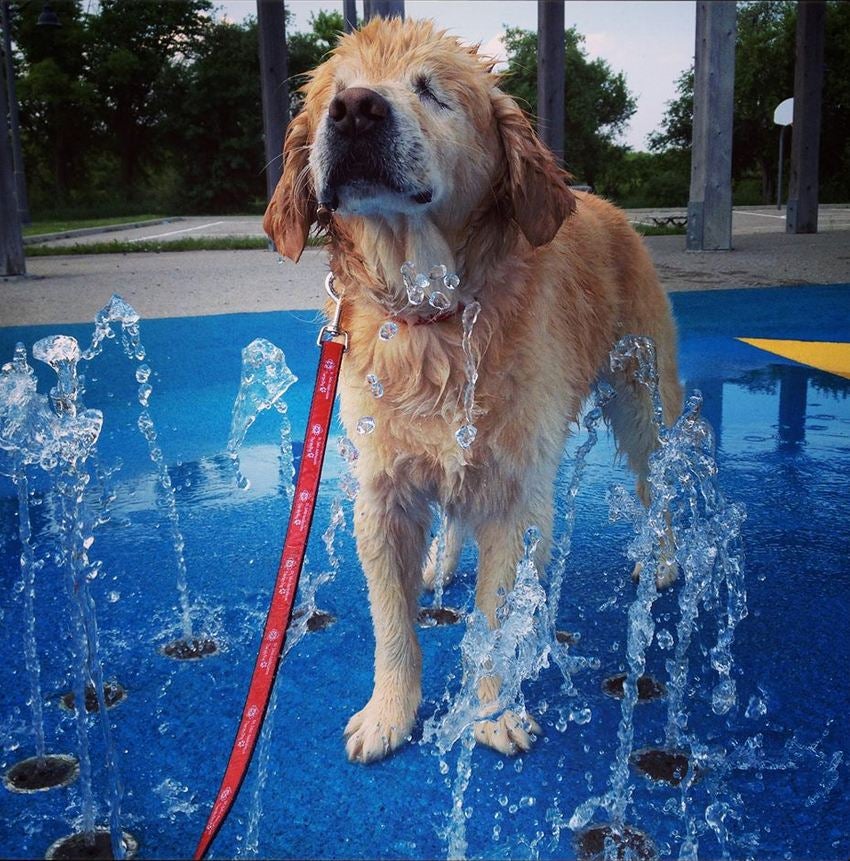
[[157, 246], [61, 225], [659, 229], [151, 246]]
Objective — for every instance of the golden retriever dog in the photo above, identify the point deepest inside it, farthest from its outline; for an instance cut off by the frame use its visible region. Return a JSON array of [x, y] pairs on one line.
[[406, 138]]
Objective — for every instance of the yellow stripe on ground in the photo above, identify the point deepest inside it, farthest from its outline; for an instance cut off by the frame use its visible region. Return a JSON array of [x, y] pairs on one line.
[[830, 356]]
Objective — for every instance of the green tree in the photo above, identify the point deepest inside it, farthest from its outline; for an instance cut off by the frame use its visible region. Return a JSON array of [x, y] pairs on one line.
[[57, 102], [677, 124], [307, 50], [597, 103], [764, 76], [217, 136], [835, 143], [139, 56]]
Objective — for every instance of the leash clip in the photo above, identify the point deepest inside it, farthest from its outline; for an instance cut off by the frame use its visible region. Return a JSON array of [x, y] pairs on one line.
[[333, 330]]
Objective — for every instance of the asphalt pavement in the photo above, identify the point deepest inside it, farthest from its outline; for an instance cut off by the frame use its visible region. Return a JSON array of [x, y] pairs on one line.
[[71, 288]]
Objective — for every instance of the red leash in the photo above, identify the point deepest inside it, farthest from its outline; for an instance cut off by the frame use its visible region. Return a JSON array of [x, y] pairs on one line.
[[288, 574]]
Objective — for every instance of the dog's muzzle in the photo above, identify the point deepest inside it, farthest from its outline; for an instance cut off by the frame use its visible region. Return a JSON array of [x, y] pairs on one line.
[[362, 150]]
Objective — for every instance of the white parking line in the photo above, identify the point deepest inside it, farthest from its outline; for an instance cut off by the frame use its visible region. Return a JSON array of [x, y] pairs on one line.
[[175, 232], [762, 214]]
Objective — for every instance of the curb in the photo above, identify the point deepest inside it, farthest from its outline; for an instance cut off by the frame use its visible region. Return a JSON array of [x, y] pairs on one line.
[[91, 231]]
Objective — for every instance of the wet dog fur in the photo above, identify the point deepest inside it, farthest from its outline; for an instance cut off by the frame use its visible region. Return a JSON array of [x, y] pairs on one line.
[[447, 169]]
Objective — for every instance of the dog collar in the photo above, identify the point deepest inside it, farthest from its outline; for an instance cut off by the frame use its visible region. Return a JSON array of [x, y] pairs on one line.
[[436, 318]]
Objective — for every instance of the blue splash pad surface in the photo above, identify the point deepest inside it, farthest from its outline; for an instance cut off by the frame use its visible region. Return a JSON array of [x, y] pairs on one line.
[[174, 730]]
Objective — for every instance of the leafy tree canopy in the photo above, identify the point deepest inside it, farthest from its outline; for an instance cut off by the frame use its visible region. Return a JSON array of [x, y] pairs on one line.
[[597, 102], [764, 77]]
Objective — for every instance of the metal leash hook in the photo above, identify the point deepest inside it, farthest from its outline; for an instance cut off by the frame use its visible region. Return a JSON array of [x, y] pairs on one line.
[[333, 330]]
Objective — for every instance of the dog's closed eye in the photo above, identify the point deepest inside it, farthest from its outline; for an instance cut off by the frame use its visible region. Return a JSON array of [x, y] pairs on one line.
[[423, 87]]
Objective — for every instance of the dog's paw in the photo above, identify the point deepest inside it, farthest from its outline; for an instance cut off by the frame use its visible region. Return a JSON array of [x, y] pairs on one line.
[[509, 734], [666, 573], [377, 730]]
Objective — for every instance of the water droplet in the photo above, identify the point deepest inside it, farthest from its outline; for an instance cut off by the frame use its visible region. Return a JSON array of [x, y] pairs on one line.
[[531, 539], [366, 425], [417, 290], [465, 435], [113, 596], [145, 390], [408, 272], [48, 461], [723, 697], [756, 707], [439, 301], [347, 449], [375, 385], [437, 272], [142, 373], [580, 716], [664, 639], [451, 281], [388, 331]]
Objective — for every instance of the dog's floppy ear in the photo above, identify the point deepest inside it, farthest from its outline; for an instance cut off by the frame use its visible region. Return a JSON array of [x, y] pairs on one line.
[[534, 183], [292, 208]]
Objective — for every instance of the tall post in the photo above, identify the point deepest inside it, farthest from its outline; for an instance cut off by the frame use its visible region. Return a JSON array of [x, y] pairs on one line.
[[802, 208], [14, 122], [550, 75], [349, 15], [271, 28], [710, 203], [384, 8], [12, 260]]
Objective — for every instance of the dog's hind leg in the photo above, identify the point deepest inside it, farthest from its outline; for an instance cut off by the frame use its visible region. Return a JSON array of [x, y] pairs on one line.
[[631, 417], [391, 527], [454, 536]]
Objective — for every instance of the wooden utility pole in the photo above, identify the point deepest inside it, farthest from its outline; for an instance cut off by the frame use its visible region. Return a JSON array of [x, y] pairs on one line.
[[271, 27], [710, 203], [12, 259], [349, 15], [550, 75], [384, 8], [802, 210]]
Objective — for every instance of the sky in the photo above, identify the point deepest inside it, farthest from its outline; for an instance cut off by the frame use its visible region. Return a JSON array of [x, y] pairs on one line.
[[650, 41]]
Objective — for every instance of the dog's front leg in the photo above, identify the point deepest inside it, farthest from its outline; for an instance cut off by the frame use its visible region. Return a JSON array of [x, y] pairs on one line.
[[391, 530], [500, 548]]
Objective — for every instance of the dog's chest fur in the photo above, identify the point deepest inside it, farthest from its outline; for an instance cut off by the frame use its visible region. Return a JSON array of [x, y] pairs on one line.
[[422, 371]]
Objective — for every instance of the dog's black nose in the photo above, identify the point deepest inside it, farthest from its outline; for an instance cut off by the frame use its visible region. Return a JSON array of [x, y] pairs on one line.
[[357, 110]]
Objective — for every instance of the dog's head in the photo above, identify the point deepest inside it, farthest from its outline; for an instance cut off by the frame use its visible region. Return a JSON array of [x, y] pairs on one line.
[[404, 120]]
